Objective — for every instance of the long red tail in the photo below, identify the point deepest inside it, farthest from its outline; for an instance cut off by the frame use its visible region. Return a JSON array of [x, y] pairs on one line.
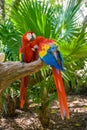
[[23, 89], [61, 93]]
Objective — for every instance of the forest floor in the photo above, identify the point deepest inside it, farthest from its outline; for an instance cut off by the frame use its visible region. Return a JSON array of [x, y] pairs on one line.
[[28, 120]]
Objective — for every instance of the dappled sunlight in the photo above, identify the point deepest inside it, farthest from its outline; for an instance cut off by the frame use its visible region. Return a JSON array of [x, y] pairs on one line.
[[29, 120]]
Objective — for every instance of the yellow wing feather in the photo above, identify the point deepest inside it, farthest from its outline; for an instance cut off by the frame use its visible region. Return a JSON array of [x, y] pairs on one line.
[[44, 50], [20, 56]]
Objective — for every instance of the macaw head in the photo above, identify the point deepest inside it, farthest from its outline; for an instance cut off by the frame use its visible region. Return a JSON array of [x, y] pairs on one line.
[[36, 43], [28, 37]]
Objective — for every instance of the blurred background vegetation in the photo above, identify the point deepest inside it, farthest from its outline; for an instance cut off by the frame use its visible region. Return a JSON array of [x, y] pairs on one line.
[[62, 20]]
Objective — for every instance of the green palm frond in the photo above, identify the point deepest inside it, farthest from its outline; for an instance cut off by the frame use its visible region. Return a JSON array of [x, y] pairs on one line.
[[66, 20], [75, 49], [10, 39], [46, 19], [34, 15], [54, 21]]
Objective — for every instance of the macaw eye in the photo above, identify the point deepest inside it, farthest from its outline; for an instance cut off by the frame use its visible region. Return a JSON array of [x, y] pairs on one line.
[[30, 36]]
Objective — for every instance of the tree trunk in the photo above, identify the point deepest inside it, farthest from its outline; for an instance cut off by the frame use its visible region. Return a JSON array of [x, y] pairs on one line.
[[11, 71]]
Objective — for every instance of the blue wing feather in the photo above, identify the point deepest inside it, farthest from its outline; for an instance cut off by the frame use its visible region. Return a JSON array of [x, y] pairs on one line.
[[22, 57], [54, 58]]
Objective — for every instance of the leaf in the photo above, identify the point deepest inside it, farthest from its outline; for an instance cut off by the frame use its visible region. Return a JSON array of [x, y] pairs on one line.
[[85, 107], [77, 125], [54, 111]]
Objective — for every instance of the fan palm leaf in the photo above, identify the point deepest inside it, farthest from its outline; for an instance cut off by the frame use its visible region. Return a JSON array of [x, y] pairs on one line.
[[66, 20], [48, 20], [35, 16], [76, 48]]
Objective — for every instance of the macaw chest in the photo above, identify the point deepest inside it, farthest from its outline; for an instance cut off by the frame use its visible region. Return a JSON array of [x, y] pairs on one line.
[[28, 54]]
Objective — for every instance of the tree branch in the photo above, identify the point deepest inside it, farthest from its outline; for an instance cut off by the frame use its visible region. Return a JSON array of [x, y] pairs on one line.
[[11, 71]]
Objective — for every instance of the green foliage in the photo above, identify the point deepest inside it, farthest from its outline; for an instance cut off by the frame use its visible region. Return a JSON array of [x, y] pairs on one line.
[[58, 22], [9, 40], [55, 22], [47, 19], [12, 90], [8, 4], [34, 15], [35, 92], [76, 48], [66, 19], [9, 98], [52, 21]]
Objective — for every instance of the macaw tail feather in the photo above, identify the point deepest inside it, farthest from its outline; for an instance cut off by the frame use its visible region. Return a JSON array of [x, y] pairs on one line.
[[23, 89], [61, 93]]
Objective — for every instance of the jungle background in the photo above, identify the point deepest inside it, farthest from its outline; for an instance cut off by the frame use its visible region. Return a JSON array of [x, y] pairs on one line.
[[66, 22]]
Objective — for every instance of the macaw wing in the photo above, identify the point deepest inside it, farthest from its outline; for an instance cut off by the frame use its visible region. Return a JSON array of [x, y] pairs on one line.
[[60, 58], [56, 55], [44, 50], [21, 55]]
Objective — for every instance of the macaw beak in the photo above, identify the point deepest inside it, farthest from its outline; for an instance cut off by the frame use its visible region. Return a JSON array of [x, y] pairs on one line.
[[35, 48]]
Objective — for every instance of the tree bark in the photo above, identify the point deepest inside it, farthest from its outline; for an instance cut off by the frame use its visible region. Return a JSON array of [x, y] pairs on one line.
[[11, 71]]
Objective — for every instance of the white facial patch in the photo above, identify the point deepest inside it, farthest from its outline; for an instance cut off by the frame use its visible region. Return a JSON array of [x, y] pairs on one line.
[[29, 36]]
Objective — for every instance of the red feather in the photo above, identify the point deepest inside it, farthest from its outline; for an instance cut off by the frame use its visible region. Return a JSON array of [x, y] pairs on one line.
[[61, 93], [23, 89], [29, 56], [40, 41]]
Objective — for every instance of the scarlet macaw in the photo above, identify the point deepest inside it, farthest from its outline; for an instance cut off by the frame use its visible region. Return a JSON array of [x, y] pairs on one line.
[[49, 53], [27, 54]]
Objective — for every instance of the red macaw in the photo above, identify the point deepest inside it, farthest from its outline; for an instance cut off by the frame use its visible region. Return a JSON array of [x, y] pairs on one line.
[[27, 54], [49, 53]]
